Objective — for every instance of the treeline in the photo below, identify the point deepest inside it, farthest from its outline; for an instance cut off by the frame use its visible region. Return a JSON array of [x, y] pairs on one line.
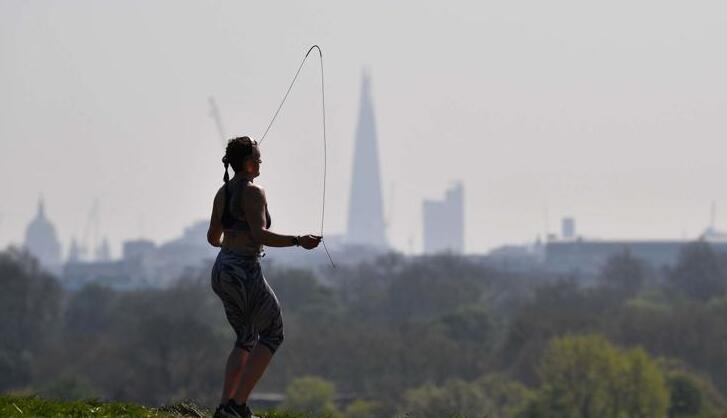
[[428, 337]]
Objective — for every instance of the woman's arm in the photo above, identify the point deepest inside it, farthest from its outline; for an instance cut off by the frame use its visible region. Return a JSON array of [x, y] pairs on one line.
[[214, 233], [254, 201]]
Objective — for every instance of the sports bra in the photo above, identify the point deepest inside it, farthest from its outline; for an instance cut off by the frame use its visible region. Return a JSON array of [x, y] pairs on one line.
[[230, 222]]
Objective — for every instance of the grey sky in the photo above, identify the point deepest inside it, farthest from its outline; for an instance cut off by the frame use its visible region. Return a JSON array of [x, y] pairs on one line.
[[613, 112]]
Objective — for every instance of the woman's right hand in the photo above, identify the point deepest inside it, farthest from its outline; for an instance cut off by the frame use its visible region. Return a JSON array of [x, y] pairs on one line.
[[309, 242]]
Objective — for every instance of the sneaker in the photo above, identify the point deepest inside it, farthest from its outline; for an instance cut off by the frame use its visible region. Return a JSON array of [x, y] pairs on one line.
[[220, 412], [238, 411]]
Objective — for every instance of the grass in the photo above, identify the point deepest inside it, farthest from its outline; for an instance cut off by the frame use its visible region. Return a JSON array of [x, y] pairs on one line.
[[34, 406]]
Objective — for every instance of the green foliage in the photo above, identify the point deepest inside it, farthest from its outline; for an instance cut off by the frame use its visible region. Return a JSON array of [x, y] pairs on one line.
[[363, 409], [402, 332], [686, 398], [587, 376], [423, 293], [90, 311], [643, 387], [15, 368], [301, 293], [691, 394], [67, 388], [16, 406], [558, 308], [701, 273], [33, 406], [29, 306], [491, 396], [310, 394], [456, 397], [686, 330], [623, 274], [471, 323], [508, 398]]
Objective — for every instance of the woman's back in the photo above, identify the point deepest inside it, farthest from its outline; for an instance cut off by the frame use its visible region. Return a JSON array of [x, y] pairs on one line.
[[237, 236]]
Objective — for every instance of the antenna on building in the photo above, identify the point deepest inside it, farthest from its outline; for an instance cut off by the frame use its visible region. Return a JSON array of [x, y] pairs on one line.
[[215, 114], [90, 230], [713, 215]]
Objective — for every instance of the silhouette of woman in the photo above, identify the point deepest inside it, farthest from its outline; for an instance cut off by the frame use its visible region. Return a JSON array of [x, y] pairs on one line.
[[240, 225]]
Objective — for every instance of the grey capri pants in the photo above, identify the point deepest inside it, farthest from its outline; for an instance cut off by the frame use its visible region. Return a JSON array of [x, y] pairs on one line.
[[250, 304]]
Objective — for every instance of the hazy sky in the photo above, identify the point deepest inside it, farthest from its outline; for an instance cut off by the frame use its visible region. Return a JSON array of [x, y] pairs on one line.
[[612, 112]]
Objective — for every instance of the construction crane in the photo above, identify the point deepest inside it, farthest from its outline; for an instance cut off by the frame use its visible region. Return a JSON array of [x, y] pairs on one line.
[[82, 251], [215, 114]]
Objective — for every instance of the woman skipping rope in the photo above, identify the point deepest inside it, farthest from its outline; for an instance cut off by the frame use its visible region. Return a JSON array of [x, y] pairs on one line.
[[240, 226]]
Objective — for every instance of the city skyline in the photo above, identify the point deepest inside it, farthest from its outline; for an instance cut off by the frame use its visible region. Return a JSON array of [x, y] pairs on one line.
[[541, 110], [94, 250]]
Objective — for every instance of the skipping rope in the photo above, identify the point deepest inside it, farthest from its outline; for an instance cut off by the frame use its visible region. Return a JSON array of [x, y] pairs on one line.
[[323, 111]]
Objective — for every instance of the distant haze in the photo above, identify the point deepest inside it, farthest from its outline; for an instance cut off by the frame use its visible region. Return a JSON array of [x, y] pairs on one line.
[[610, 112]]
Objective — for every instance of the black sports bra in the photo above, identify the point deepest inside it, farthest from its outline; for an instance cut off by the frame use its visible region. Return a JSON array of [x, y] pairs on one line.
[[229, 222]]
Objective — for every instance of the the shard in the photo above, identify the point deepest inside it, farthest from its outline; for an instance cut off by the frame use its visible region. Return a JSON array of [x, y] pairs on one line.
[[365, 214]]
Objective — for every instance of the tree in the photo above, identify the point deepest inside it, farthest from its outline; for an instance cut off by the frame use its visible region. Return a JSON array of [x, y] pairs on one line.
[[363, 409], [432, 287], [455, 398], [507, 397], [558, 308], [643, 387], [471, 323], [300, 292], [700, 273], [29, 313], [686, 398], [623, 274], [89, 312], [310, 394], [690, 394], [586, 376], [488, 396]]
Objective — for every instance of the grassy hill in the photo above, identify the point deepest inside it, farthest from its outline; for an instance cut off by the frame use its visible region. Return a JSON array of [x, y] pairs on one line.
[[33, 406]]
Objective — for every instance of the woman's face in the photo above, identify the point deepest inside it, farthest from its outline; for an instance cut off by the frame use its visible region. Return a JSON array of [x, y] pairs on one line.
[[252, 165]]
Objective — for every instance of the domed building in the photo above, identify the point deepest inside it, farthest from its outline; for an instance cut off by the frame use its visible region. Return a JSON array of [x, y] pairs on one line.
[[42, 241]]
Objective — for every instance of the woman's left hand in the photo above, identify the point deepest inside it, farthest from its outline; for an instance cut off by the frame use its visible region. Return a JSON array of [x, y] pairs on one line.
[[309, 242]]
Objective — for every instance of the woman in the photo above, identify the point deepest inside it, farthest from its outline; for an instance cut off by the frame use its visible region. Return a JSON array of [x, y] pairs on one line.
[[240, 225]]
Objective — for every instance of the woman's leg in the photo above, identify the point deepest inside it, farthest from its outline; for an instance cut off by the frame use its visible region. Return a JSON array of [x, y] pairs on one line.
[[233, 370], [256, 364], [267, 318]]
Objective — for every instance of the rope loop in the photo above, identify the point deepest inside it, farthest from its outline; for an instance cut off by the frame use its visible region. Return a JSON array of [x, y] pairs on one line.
[[325, 141]]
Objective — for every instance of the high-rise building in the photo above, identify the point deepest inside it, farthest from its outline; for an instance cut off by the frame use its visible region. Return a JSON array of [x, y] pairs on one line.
[[568, 228], [365, 213], [42, 241], [103, 251], [444, 222]]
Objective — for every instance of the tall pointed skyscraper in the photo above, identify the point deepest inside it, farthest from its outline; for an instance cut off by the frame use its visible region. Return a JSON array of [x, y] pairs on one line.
[[365, 212]]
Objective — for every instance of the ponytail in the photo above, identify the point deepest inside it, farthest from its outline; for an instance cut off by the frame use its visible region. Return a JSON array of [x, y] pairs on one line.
[[225, 161]]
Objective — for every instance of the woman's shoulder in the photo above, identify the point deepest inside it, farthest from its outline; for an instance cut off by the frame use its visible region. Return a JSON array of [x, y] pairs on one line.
[[253, 190], [221, 192]]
